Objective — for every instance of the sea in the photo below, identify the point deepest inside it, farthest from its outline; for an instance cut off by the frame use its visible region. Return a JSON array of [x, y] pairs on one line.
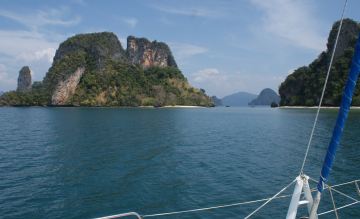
[[90, 162]]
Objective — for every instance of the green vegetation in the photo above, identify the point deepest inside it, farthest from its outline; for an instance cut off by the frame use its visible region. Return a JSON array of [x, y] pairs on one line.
[[121, 85], [304, 86], [36, 97], [109, 78], [126, 85]]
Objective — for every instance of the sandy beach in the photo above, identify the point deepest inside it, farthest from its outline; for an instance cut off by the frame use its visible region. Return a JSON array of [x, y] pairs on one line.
[[182, 106], [172, 106], [314, 107]]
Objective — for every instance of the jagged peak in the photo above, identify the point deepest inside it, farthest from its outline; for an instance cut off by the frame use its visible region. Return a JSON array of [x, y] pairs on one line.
[[24, 79], [145, 40], [348, 35], [146, 53]]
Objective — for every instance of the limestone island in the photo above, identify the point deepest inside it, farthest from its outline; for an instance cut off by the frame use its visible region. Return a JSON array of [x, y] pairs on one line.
[[95, 70], [303, 87]]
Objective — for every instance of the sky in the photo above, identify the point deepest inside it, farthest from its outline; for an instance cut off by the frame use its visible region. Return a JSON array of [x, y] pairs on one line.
[[221, 46]]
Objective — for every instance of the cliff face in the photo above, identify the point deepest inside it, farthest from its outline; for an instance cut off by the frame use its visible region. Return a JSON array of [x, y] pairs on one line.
[[96, 52], [66, 88], [84, 51], [142, 52], [24, 80], [303, 87]]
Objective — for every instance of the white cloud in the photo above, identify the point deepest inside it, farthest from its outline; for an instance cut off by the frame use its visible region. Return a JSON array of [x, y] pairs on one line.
[[41, 18], [123, 42], [191, 11], [185, 50], [46, 54], [214, 82], [130, 21], [293, 21], [220, 83], [34, 45], [207, 74], [5, 79], [19, 48], [26, 45]]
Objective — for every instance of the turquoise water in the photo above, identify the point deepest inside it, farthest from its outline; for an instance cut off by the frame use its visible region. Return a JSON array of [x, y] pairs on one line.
[[89, 162]]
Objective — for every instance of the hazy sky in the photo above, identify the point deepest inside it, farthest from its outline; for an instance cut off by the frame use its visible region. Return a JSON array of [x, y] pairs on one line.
[[222, 46]]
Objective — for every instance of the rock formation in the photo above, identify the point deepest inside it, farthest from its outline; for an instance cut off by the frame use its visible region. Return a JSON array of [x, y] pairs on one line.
[[24, 80], [94, 70], [266, 97], [142, 52], [348, 35], [66, 88], [101, 47], [94, 51]]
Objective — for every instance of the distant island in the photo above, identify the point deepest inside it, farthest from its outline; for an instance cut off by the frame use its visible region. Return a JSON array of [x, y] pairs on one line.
[[266, 97], [238, 99], [94, 70], [303, 87], [217, 101]]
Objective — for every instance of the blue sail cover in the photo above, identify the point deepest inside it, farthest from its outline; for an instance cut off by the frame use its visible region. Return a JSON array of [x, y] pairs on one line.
[[342, 115]]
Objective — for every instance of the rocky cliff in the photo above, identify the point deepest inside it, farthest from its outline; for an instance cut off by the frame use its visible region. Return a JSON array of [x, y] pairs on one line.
[[94, 50], [303, 87], [142, 52], [24, 80], [94, 70], [66, 88]]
